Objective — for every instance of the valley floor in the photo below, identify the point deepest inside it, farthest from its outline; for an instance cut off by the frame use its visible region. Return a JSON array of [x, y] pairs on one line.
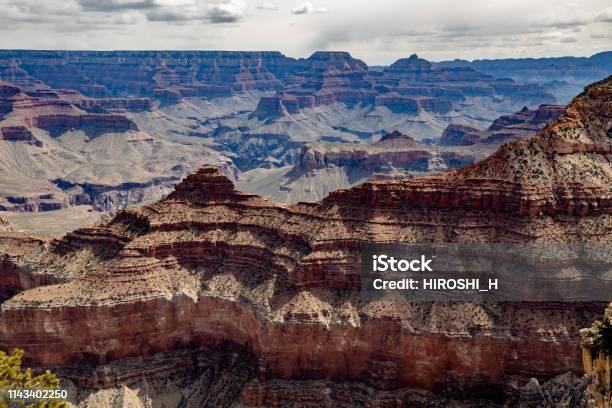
[[53, 223]]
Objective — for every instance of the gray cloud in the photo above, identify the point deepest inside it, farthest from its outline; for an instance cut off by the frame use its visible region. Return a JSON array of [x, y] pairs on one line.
[[599, 36], [568, 40], [267, 6], [605, 15], [170, 16], [29, 11], [229, 11], [225, 11], [114, 5], [307, 8]]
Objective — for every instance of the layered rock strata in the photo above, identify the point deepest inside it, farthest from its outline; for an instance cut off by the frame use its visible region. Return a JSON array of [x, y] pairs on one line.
[[323, 78], [60, 149], [394, 152]]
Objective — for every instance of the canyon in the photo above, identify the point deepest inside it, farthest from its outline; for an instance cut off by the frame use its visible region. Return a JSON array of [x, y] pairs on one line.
[[216, 297], [114, 129]]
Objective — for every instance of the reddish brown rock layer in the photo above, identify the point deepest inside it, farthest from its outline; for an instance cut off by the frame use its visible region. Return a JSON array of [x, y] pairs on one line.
[[19, 134], [522, 124], [393, 153], [54, 114]]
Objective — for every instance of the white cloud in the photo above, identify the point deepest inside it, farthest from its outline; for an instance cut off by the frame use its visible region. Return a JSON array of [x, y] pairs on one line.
[[127, 18], [564, 15], [304, 8], [308, 8]]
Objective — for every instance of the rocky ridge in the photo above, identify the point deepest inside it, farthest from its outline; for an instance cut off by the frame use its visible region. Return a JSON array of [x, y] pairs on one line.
[[520, 125], [563, 76]]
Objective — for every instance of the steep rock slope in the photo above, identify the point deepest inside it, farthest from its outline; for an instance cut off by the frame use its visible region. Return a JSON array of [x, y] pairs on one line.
[[210, 267]]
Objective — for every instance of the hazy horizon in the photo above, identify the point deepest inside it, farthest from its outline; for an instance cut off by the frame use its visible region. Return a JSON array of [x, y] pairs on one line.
[[298, 56], [376, 32]]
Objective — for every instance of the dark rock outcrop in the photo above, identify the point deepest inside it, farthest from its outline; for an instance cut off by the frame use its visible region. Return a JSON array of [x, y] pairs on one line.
[[459, 135], [19, 134]]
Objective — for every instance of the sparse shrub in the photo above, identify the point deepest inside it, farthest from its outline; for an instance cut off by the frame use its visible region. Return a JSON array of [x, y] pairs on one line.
[[12, 376], [598, 338]]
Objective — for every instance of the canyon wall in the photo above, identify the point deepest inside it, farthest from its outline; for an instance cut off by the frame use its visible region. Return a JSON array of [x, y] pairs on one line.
[[210, 267]]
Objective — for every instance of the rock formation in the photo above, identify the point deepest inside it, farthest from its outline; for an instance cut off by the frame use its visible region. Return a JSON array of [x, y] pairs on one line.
[[459, 135], [277, 286], [326, 167], [52, 113], [520, 125], [19, 134], [61, 149], [146, 73], [564, 76], [323, 78]]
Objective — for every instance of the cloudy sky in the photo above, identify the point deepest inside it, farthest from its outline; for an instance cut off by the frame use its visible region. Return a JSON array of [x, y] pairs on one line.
[[377, 31]]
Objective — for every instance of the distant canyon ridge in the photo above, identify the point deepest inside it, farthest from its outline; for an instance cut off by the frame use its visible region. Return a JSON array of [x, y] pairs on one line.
[[107, 130]]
